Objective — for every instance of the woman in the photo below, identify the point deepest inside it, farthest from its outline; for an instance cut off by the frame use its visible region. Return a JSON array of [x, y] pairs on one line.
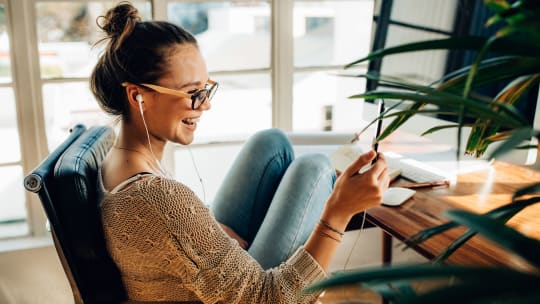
[[281, 219]]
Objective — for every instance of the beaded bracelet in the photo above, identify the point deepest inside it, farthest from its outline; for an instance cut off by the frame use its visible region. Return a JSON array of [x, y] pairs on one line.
[[325, 224]]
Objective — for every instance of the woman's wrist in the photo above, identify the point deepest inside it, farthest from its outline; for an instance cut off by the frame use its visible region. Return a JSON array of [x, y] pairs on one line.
[[334, 222], [324, 232]]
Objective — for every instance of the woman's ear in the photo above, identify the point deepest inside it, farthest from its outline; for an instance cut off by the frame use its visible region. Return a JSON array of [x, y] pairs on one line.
[[135, 97]]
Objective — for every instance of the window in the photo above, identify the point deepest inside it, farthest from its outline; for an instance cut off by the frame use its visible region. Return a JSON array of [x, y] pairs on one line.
[[66, 34], [275, 61], [53, 82], [328, 35], [12, 205], [234, 37]]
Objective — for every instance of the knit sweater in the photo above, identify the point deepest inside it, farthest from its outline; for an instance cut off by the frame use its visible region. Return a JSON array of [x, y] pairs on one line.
[[169, 247]]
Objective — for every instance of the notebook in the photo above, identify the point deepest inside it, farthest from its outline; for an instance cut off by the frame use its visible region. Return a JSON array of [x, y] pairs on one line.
[[346, 154]]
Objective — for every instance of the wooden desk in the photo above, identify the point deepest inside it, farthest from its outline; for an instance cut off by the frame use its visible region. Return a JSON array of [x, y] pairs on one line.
[[478, 192]]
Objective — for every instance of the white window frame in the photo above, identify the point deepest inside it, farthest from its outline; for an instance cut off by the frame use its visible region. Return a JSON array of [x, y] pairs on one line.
[[27, 93], [27, 83]]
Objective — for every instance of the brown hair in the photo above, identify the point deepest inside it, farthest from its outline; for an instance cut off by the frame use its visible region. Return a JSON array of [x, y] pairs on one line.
[[136, 52]]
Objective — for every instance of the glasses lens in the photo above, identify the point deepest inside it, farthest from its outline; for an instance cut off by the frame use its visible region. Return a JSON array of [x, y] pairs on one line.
[[198, 98], [212, 91]]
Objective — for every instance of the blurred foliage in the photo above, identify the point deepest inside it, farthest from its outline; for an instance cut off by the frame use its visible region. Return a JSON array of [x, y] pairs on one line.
[[517, 62]]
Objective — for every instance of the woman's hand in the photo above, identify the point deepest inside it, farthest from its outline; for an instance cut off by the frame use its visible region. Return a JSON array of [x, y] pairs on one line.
[[235, 236], [355, 192]]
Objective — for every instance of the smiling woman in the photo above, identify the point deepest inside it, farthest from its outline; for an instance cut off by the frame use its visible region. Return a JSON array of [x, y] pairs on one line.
[[275, 222]]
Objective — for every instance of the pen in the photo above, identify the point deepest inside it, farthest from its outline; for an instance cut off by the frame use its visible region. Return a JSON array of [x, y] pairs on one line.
[[378, 131], [426, 184]]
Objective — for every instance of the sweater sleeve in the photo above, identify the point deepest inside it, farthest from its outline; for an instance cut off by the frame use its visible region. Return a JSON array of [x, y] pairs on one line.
[[216, 268]]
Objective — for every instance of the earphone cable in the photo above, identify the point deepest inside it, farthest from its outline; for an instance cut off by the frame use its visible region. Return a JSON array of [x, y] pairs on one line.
[[198, 174], [162, 171], [355, 241]]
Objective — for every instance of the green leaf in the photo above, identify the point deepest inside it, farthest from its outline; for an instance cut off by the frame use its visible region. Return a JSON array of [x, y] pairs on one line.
[[400, 120], [507, 237], [455, 102], [526, 147], [517, 88], [387, 291], [438, 128], [507, 46], [401, 273], [450, 97], [515, 138], [482, 132], [487, 290], [474, 67], [381, 116], [497, 6], [425, 234], [530, 189], [503, 213], [406, 112], [490, 71], [436, 44], [455, 245], [396, 291]]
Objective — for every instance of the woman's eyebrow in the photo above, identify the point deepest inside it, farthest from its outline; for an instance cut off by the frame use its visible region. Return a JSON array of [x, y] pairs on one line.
[[190, 84]]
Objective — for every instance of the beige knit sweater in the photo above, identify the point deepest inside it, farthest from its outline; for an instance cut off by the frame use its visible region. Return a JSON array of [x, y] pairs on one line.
[[169, 247]]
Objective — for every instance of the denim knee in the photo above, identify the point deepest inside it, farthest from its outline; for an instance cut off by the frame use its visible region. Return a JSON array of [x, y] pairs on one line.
[[317, 164], [273, 136]]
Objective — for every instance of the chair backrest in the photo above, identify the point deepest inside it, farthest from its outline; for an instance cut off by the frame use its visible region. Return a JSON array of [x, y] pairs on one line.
[[66, 183]]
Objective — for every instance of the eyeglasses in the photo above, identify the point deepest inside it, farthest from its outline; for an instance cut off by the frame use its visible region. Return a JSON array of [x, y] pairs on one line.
[[197, 98]]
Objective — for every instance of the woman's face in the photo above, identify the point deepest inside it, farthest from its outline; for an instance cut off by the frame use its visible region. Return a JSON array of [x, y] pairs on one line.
[[170, 117]]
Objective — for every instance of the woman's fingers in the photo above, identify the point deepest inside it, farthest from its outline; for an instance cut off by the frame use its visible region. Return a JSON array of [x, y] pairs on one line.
[[379, 166], [359, 163]]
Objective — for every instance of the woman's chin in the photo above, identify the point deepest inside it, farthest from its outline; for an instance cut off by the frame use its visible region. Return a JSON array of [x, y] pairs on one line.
[[184, 139], [184, 134]]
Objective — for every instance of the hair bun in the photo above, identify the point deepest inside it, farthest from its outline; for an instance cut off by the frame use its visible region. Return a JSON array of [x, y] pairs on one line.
[[120, 20]]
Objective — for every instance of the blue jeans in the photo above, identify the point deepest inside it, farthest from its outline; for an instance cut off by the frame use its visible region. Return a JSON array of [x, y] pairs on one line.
[[271, 199]]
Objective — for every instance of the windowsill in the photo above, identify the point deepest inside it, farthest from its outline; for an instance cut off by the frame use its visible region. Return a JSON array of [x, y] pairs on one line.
[[25, 243]]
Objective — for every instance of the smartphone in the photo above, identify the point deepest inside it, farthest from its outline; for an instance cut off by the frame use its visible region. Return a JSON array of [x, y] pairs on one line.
[[378, 132]]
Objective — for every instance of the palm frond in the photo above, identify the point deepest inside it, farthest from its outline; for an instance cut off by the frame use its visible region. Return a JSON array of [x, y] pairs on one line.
[[515, 242], [508, 45], [513, 139], [502, 214], [399, 273]]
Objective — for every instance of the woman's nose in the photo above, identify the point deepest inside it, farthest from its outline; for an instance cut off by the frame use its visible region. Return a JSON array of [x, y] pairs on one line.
[[206, 105]]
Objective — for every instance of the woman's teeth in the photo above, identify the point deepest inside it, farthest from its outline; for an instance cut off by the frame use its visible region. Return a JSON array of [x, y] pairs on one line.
[[190, 121]]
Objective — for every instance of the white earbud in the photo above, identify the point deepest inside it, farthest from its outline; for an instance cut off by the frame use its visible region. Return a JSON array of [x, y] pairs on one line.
[[139, 98]]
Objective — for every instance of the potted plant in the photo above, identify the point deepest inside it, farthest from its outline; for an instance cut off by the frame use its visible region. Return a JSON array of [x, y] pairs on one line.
[[515, 61]]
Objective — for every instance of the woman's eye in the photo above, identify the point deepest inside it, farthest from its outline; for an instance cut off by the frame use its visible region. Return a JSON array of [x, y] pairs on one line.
[[192, 91]]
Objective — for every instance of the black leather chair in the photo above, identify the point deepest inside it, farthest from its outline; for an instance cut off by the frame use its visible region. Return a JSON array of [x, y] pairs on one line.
[[66, 185]]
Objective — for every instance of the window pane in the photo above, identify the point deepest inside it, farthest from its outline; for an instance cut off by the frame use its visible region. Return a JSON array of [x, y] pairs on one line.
[[321, 102], [66, 32], [232, 35], [9, 132], [418, 67], [5, 63], [331, 32], [12, 205], [67, 104], [241, 106], [436, 14]]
